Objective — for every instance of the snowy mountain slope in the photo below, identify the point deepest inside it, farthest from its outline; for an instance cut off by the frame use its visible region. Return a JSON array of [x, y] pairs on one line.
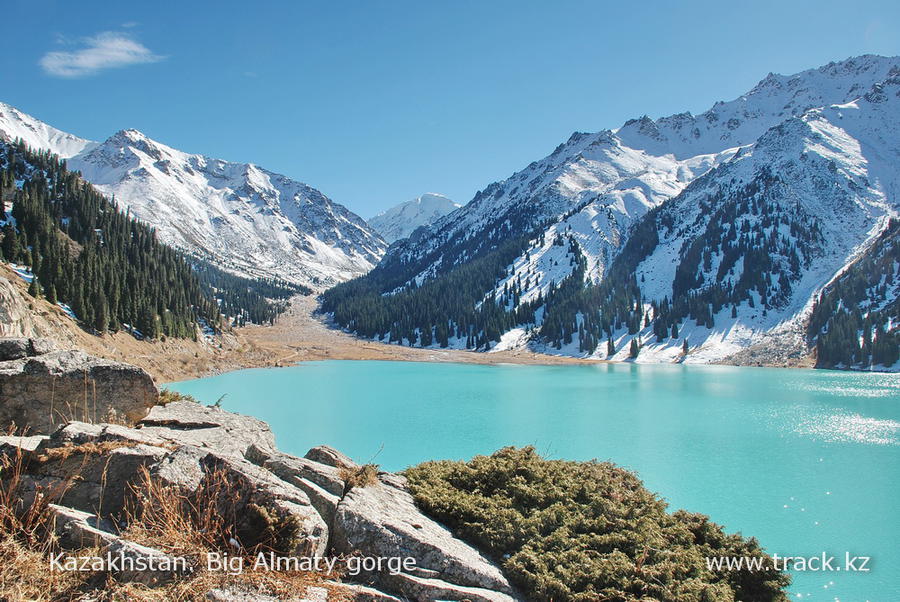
[[37, 134], [239, 216], [756, 239], [829, 137], [614, 177], [400, 221]]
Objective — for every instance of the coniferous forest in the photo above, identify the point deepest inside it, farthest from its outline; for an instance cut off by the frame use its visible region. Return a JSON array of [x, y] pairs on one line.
[[246, 300], [748, 253], [856, 320], [107, 266]]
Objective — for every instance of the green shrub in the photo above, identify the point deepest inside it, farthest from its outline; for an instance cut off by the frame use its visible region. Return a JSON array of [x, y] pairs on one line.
[[167, 396], [585, 531]]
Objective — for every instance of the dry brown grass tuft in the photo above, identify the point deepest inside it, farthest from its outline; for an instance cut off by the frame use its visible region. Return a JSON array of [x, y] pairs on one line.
[[91, 448], [361, 476], [159, 516], [25, 515], [162, 516], [24, 574], [27, 539]]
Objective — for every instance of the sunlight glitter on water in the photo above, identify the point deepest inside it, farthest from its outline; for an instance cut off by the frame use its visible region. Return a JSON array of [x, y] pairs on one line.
[[852, 427]]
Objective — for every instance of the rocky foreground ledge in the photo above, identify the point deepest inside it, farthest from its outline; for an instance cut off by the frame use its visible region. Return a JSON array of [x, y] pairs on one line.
[[181, 444]]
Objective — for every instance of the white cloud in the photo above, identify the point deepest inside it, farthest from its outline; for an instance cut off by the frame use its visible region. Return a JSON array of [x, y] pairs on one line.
[[106, 50]]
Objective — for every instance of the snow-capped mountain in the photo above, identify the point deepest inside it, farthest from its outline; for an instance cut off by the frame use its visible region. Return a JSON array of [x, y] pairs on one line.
[[239, 216], [819, 130], [608, 179], [400, 221], [37, 134], [740, 256]]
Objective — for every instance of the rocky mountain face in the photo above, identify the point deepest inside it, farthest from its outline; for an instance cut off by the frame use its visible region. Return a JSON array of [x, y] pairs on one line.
[[802, 170], [400, 221], [238, 216]]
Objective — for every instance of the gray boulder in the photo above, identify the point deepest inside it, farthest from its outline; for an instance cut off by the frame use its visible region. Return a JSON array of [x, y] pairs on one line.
[[190, 423], [209, 456], [97, 480], [14, 348], [99, 466], [424, 589], [9, 444], [322, 483], [251, 486], [76, 529], [38, 393], [382, 521], [330, 457], [361, 593]]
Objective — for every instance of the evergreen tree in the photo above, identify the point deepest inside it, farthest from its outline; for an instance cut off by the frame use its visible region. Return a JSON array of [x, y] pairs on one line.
[[34, 289], [101, 313], [634, 349]]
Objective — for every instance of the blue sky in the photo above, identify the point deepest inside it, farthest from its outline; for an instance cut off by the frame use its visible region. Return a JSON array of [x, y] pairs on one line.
[[376, 102]]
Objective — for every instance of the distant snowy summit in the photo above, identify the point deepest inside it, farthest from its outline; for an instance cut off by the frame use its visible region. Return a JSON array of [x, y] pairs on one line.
[[239, 216], [400, 221]]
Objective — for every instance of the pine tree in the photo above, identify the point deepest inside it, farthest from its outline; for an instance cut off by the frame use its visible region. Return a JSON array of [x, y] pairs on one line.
[[34, 289], [610, 347], [684, 347], [634, 349], [10, 243], [101, 313]]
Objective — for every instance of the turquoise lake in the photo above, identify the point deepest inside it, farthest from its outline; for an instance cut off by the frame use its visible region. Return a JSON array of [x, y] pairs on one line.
[[806, 461]]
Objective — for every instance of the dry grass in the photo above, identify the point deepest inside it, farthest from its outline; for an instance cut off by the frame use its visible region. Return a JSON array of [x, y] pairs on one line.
[[64, 452], [24, 574], [361, 476], [159, 516], [211, 520], [27, 539]]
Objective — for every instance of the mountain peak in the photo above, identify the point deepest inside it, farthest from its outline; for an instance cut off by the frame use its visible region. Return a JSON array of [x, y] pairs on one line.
[[401, 220]]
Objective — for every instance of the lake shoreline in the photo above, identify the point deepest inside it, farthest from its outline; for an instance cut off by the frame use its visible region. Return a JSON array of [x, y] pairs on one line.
[[301, 334]]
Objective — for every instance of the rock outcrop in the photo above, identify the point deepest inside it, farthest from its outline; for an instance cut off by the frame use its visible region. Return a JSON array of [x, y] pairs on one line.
[[188, 447], [14, 348], [188, 423], [41, 389], [382, 520]]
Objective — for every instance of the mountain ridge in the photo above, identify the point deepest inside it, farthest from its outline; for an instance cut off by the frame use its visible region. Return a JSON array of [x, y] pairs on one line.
[[243, 218], [594, 189]]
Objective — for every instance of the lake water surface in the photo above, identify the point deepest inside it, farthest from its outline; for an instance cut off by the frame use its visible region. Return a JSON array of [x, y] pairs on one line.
[[806, 461]]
